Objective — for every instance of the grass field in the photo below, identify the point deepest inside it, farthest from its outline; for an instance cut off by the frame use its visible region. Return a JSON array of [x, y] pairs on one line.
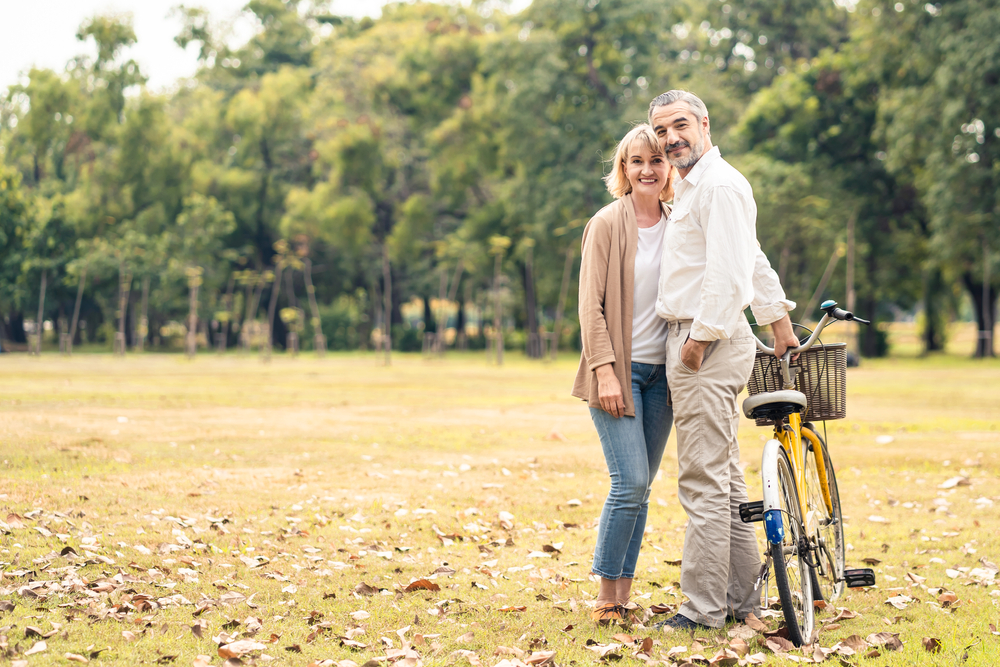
[[438, 512]]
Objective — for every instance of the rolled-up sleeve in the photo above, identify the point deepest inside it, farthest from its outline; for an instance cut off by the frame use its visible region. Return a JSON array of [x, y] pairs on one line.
[[769, 303], [730, 249], [596, 249]]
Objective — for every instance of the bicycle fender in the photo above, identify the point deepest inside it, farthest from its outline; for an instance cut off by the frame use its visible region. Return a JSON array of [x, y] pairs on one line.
[[773, 525]]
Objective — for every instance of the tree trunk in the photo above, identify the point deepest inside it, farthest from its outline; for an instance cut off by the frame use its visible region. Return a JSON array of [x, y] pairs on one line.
[[16, 324], [39, 321], [144, 317], [533, 345], [852, 327], [275, 291], [253, 304], [386, 304], [191, 340], [869, 338], [497, 310], [984, 302], [76, 308], [448, 295], [319, 340], [563, 294], [227, 304], [807, 315], [124, 289], [430, 324], [933, 333]]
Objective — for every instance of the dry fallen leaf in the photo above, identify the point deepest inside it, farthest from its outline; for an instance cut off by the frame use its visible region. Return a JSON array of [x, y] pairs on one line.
[[421, 585], [779, 644], [539, 658], [76, 657], [239, 648], [739, 646], [888, 639], [365, 589], [202, 661], [843, 615], [603, 650], [39, 647], [931, 644], [955, 481], [900, 601], [755, 623], [724, 658]]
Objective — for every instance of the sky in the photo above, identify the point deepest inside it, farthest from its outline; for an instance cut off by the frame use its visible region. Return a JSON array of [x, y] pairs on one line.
[[42, 33]]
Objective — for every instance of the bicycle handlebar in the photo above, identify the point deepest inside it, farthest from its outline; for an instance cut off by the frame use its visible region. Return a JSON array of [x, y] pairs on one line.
[[830, 312]]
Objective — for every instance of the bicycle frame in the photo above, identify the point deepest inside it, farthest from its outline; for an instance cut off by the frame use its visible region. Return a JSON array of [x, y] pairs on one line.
[[790, 438]]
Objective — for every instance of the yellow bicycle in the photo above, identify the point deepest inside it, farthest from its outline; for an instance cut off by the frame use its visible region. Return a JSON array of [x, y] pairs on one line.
[[801, 506]]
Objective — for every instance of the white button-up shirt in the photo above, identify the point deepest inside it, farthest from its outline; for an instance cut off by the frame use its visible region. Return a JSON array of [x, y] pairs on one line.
[[713, 267]]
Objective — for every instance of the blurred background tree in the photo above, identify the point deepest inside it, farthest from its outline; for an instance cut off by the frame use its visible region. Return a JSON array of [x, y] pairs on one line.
[[384, 155]]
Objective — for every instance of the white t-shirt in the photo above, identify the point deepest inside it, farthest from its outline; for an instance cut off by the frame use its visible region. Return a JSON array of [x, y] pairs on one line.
[[649, 330]]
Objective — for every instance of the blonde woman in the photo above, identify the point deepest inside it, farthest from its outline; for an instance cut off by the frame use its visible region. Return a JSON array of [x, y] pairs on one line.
[[622, 373]]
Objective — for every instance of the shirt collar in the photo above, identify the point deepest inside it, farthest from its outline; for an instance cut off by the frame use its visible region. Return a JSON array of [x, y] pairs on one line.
[[701, 166]]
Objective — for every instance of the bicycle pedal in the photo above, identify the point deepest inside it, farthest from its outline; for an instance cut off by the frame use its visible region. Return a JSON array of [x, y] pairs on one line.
[[860, 577], [751, 512]]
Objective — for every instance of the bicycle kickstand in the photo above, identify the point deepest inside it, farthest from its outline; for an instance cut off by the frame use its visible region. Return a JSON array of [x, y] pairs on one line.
[[762, 575]]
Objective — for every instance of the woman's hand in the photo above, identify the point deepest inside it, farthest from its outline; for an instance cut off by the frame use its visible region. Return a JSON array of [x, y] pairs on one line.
[[609, 391]]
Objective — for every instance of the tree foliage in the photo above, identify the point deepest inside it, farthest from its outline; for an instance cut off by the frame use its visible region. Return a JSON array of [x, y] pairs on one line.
[[392, 154]]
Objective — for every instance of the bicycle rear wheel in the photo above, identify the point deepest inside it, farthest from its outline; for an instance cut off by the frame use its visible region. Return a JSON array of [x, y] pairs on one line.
[[792, 573], [824, 523]]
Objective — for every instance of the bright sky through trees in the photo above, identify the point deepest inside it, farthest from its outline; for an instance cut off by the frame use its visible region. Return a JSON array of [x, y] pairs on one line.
[[43, 33]]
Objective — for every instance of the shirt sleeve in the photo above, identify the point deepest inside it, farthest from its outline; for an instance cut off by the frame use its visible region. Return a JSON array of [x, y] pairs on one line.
[[730, 254], [769, 303]]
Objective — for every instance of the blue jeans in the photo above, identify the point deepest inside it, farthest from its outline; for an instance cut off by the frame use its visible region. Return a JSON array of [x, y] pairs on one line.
[[633, 447]]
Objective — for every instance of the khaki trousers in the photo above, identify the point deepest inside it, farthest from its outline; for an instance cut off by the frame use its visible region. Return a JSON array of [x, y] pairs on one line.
[[721, 557]]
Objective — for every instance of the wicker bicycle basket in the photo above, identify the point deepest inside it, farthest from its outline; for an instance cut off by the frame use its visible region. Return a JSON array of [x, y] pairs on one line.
[[821, 375]]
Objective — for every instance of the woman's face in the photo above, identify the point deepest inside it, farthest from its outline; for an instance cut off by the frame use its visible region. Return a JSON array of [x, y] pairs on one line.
[[646, 171]]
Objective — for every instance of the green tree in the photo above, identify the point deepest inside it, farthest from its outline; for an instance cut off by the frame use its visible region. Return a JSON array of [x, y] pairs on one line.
[[939, 120]]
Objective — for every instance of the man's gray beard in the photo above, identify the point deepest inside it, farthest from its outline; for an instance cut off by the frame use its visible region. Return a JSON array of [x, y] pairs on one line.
[[691, 160]]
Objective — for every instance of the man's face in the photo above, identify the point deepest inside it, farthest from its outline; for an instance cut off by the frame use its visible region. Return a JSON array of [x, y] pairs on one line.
[[683, 136]]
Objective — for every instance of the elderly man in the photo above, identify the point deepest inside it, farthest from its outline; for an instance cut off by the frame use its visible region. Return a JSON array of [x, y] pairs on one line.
[[712, 270]]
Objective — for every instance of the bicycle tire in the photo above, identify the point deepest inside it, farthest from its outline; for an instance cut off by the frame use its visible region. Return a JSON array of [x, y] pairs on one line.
[[792, 576], [826, 527]]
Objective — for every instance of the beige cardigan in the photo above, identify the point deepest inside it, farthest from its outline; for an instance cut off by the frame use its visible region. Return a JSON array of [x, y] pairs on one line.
[[607, 287]]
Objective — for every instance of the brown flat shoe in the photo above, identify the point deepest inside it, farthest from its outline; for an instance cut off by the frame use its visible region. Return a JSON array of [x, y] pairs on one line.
[[605, 614]]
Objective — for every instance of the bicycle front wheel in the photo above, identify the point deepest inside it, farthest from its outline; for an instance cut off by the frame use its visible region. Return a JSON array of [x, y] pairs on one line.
[[824, 520], [792, 573]]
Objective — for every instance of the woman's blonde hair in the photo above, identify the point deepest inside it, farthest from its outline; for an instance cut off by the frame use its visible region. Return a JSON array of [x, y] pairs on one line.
[[640, 136]]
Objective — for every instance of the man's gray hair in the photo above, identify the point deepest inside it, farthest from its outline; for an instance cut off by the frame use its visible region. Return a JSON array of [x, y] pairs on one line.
[[694, 103]]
